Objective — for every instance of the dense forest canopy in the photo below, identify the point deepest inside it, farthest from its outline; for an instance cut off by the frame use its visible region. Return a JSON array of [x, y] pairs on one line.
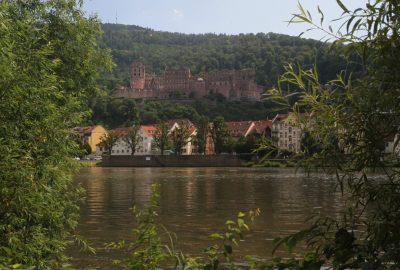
[[116, 112], [267, 53]]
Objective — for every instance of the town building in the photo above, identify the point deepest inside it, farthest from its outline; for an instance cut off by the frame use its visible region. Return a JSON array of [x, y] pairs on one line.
[[232, 84], [262, 128], [189, 147], [239, 129], [91, 135], [284, 134], [145, 145]]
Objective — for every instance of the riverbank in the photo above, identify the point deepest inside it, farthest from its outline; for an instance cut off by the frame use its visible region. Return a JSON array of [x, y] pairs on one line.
[[89, 163], [175, 161], [192, 161]]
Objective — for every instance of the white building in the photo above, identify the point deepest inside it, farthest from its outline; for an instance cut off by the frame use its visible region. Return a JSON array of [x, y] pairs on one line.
[[285, 135], [189, 148], [146, 143], [144, 147]]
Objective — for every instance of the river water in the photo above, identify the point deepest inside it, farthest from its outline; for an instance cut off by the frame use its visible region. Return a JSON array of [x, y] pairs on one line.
[[195, 202]]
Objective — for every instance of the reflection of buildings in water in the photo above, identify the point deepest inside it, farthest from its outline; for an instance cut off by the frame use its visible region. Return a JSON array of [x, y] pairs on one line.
[[120, 196], [191, 190], [247, 187], [209, 187], [190, 197], [95, 195], [143, 180]]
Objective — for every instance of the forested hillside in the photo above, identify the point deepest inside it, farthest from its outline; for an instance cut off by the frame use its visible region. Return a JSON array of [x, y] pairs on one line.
[[266, 53]]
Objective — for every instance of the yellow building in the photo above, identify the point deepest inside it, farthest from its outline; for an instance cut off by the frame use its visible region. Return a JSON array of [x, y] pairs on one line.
[[91, 135]]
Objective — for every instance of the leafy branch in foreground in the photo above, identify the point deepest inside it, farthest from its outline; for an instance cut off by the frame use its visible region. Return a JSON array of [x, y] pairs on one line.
[[49, 63], [351, 120]]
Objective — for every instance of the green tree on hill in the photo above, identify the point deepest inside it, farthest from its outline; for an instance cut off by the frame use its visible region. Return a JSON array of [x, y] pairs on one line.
[[180, 136], [161, 137], [202, 135], [133, 138], [108, 141], [220, 135]]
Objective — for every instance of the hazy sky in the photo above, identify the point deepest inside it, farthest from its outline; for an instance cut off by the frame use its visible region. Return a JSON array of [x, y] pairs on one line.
[[213, 16]]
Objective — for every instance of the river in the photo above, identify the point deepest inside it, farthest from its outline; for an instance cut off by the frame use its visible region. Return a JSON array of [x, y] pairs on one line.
[[195, 202]]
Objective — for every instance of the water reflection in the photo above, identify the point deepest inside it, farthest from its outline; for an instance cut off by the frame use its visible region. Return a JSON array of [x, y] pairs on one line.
[[196, 202]]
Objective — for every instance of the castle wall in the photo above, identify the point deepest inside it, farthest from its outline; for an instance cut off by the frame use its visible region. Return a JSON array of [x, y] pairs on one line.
[[177, 79], [135, 93], [230, 83], [198, 87], [138, 74], [220, 82]]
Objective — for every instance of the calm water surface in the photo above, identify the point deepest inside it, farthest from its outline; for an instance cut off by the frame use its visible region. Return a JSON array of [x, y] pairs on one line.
[[196, 202]]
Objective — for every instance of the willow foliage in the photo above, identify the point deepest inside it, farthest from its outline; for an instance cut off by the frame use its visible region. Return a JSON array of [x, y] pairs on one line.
[[350, 121], [49, 62]]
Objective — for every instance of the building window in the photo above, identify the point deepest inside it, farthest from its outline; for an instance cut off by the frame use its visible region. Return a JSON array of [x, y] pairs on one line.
[[122, 151], [290, 130], [285, 134], [112, 151]]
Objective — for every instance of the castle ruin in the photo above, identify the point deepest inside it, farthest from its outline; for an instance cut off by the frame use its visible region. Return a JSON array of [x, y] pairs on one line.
[[232, 84]]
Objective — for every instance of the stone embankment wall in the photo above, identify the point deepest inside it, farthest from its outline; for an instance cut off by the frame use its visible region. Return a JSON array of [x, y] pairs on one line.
[[173, 161]]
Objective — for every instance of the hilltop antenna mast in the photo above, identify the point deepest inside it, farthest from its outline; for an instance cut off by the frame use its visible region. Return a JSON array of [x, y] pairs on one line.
[[116, 16]]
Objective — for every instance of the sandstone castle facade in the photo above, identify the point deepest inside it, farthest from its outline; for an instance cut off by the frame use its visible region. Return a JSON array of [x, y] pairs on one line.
[[232, 84]]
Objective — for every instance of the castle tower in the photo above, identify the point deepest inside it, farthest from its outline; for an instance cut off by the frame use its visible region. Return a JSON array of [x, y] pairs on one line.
[[138, 75]]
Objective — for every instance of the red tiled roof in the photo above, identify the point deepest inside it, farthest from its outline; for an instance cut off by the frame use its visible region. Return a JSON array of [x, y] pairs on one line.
[[192, 130], [240, 128], [281, 117], [149, 130], [262, 125]]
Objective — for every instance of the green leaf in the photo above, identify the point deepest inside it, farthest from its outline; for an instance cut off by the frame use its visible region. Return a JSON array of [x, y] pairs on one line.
[[241, 215], [342, 6], [228, 249], [217, 235], [322, 15]]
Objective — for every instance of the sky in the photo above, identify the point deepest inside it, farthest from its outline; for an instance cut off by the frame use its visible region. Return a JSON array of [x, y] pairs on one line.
[[215, 16]]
